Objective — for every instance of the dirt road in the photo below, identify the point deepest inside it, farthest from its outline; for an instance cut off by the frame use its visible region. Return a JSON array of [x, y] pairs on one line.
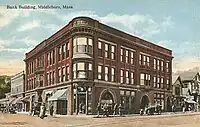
[[9, 120]]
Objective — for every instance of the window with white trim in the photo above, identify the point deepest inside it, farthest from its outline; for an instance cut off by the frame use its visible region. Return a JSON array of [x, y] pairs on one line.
[[154, 64], [167, 67], [127, 77], [59, 75], [162, 68], [158, 65], [132, 57], [106, 51], [154, 82], [106, 73], [162, 83], [122, 54], [142, 79], [100, 52], [112, 74], [113, 52], [132, 78], [99, 72], [122, 76], [158, 82], [148, 61], [63, 74], [127, 56]]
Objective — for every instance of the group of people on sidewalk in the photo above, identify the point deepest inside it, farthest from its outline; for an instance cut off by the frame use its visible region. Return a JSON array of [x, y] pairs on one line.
[[109, 109]]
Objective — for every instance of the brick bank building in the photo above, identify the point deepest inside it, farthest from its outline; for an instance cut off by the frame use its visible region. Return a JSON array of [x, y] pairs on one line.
[[88, 62]]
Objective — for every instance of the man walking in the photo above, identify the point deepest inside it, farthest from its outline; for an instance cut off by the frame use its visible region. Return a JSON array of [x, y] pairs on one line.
[[98, 109], [115, 110]]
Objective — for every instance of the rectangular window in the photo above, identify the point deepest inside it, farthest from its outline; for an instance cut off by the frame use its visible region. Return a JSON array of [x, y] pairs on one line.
[[106, 51], [99, 72], [127, 56], [67, 73], [162, 69], [154, 64], [154, 82], [132, 58], [168, 87], [167, 67], [162, 83], [59, 53], [132, 78], [142, 79], [113, 52], [158, 65], [90, 41], [144, 60], [63, 74], [53, 56], [48, 59], [127, 77], [50, 78], [100, 49], [106, 73], [67, 49], [158, 81], [140, 59], [122, 53], [122, 76], [54, 77], [63, 51], [59, 75], [112, 74], [47, 78], [148, 61]]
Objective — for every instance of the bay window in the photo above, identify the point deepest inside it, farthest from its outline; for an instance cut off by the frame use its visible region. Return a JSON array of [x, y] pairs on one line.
[[82, 70], [82, 45]]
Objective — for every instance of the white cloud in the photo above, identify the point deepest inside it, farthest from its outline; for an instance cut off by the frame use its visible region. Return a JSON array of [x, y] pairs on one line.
[[7, 16], [185, 63], [29, 41], [29, 25]]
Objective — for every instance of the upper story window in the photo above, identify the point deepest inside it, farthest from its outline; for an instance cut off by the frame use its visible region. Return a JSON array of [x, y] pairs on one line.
[[106, 51], [142, 79], [127, 56], [162, 68], [122, 54], [167, 84], [82, 45], [158, 65], [127, 77], [106, 74], [82, 70], [122, 76], [100, 52], [113, 52], [63, 51], [154, 82], [132, 57], [112, 74], [132, 78], [144, 60], [67, 50], [154, 64], [99, 72], [177, 91], [167, 67], [59, 53]]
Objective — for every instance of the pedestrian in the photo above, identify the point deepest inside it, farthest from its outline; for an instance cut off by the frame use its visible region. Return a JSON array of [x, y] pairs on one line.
[[120, 109], [105, 110], [115, 110], [98, 109], [51, 109]]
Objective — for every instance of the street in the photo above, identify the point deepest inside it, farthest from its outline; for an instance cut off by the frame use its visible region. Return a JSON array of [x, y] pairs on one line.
[[170, 120]]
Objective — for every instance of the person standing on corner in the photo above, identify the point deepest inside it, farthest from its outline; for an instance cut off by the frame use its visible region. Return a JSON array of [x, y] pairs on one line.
[[115, 110], [120, 109], [98, 109]]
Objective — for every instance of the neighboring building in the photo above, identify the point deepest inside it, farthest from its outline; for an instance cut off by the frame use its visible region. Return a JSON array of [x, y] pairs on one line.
[[87, 62], [186, 88], [17, 90]]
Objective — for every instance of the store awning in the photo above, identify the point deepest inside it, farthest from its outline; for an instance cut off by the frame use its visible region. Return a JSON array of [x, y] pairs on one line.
[[3, 101], [59, 95], [191, 102], [26, 99], [11, 100], [17, 100]]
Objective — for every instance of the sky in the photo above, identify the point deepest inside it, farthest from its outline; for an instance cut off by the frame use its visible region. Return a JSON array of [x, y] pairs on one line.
[[168, 23]]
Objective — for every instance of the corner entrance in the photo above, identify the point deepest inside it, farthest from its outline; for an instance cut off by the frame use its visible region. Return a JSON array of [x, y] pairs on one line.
[[144, 102], [107, 98]]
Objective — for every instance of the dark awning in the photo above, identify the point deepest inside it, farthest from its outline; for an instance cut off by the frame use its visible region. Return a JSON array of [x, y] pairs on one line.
[[59, 95], [26, 99], [17, 100]]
